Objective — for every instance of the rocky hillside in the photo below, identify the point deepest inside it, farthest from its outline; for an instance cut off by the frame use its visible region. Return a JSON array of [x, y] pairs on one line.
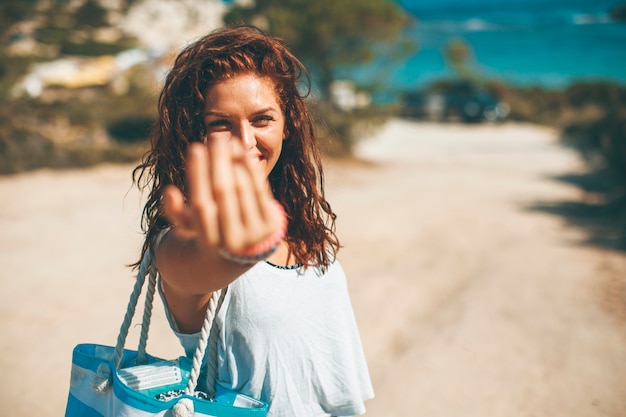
[[79, 79]]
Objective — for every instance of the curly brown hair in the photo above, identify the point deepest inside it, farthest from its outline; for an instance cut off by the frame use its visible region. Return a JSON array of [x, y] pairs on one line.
[[297, 180]]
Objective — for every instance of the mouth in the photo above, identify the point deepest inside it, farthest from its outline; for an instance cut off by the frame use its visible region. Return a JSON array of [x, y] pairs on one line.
[[256, 156]]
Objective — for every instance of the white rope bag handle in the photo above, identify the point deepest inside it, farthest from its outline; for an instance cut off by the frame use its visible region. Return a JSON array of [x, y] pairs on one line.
[[148, 268]]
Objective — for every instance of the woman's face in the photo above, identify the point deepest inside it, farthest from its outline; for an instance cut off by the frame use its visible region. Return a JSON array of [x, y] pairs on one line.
[[246, 108]]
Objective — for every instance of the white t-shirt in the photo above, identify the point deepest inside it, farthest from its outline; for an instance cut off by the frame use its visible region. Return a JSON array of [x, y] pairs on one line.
[[289, 338]]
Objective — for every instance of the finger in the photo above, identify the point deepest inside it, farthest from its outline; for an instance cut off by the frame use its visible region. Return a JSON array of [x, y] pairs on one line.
[[248, 201], [263, 194], [201, 200], [276, 215], [173, 204], [197, 174], [175, 210], [225, 193]]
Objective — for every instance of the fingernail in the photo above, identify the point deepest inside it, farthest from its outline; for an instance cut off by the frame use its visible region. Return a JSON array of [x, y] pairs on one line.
[[197, 149]]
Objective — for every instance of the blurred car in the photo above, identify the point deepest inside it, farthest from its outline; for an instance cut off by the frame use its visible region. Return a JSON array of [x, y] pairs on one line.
[[465, 101]]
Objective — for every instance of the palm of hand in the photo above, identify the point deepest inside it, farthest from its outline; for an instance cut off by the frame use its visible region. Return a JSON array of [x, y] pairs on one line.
[[229, 205]]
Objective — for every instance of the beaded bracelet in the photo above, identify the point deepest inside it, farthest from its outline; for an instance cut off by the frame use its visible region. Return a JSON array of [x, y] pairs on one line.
[[262, 250]]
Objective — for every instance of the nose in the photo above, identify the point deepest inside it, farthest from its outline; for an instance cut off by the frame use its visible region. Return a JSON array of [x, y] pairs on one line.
[[246, 135]]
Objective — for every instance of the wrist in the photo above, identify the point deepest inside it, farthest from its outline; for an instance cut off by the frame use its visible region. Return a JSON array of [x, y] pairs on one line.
[[263, 249]]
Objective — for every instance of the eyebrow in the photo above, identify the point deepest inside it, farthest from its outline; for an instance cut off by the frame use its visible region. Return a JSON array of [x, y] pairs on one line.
[[220, 114]]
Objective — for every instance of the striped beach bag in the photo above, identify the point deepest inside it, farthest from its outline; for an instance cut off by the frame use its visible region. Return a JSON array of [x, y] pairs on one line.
[[109, 381]]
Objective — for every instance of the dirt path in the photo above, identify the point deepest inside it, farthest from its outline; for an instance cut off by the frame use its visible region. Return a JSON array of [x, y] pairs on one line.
[[470, 303]]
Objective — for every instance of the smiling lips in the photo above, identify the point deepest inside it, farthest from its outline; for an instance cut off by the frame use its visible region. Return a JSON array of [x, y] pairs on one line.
[[257, 156]]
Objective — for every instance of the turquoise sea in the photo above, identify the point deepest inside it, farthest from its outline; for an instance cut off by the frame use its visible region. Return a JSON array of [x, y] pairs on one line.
[[547, 43]]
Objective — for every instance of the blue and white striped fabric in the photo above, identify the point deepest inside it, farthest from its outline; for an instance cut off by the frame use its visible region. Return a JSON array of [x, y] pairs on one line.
[[115, 382], [97, 390]]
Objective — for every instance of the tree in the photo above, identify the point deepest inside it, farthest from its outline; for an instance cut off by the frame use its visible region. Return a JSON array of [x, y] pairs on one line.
[[459, 56], [91, 15], [12, 12], [325, 33]]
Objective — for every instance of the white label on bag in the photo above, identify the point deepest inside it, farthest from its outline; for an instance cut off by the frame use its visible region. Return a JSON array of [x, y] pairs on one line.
[[144, 377]]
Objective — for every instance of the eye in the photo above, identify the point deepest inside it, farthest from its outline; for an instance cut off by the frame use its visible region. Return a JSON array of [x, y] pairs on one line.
[[262, 120], [217, 125]]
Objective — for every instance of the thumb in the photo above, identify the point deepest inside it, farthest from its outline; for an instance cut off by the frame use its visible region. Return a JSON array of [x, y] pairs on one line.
[[176, 211]]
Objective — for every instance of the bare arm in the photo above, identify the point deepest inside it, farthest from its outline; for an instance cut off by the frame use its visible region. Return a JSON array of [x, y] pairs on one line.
[[229, 206]]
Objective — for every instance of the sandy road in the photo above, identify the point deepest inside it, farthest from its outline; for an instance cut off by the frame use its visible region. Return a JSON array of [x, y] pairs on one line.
[[469, 302]]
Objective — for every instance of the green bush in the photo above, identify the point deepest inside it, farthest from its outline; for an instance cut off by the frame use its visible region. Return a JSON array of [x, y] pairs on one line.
[[90, 48], [605, 137], [131, 129], [53, 34]]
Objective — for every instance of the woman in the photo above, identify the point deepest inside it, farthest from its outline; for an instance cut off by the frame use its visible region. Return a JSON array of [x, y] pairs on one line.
[[237, 202]]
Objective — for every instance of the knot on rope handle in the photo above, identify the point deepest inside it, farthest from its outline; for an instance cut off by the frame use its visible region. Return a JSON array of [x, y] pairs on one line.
[[183, 408], [101, 380]]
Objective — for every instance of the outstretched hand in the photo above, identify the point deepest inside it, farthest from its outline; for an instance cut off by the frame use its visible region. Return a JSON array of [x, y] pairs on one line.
[[229, 203]]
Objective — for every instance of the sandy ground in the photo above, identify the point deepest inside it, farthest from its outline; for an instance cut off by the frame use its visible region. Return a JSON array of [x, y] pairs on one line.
[[469, 302]]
